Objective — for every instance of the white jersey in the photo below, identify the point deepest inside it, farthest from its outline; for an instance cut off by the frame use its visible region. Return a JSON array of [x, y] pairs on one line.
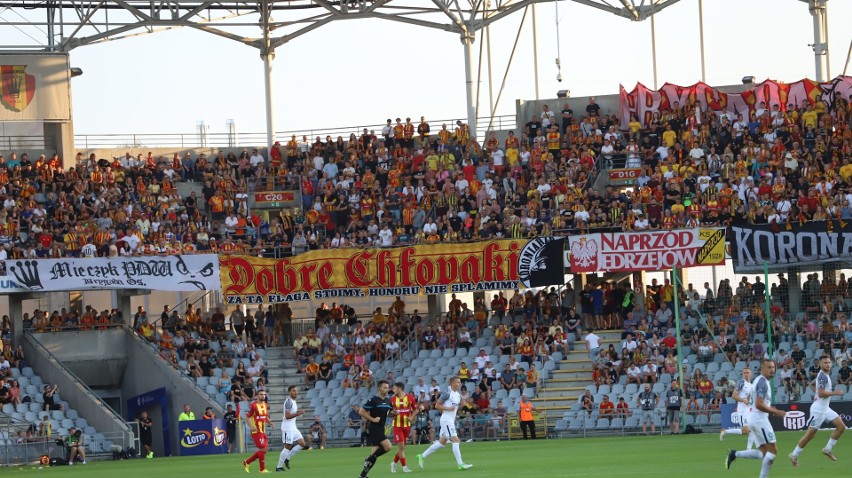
[[290, 406], [760, 388], [450, 399], [823, 382], [744, 392]]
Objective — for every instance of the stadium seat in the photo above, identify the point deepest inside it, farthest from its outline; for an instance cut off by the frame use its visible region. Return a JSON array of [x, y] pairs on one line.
[[576, 424], [37, 382], [726, 367], [81, 422], [67, 423], [30, 417], [22, 408], [440, 362], [320, 385], [435, 354], [712, 367], [8, 409], [617, 423], [27, 372], [202, 382], [72, 414], [602, 424], [631, 388]]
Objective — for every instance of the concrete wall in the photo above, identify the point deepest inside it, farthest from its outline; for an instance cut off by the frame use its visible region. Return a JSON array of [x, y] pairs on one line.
[[78, 396], [146, 371], [97, 357]]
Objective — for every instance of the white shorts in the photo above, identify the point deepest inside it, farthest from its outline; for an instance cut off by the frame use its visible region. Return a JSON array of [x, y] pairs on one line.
[[762, 431], [448, 430], [291, 437], [740, 419], [818, 418]]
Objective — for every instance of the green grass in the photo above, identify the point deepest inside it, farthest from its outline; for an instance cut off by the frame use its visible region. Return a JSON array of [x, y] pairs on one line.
[[694, 456]]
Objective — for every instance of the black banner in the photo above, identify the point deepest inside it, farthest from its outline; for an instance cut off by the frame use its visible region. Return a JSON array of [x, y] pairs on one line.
[[798, 414], [541, 262], [781, 246]]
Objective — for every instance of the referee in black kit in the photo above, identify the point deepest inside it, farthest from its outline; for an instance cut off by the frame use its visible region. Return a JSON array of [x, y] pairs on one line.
[[376, 411], [146, 436]]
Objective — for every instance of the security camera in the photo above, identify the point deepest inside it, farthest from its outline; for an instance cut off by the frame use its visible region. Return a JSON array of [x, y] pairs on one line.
[[559, 77]]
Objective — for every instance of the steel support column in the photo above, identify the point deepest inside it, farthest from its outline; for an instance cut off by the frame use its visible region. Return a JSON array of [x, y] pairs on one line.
[[817, 9], [467, 39]]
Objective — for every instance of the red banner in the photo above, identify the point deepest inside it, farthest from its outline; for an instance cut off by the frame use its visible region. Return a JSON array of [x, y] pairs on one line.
[[273, 196], [644, 102], [339, 273], [624, 174]]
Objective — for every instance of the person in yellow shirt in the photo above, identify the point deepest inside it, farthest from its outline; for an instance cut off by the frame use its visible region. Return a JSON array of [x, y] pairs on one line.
[[809, 117], [669, 136], [634, 126], [846, 170]]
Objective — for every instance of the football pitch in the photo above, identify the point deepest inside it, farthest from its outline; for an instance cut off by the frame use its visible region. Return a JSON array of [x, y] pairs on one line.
[[691, 455]]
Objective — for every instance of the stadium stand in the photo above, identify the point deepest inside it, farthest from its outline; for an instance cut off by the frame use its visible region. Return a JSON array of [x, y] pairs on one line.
[[421, 184]]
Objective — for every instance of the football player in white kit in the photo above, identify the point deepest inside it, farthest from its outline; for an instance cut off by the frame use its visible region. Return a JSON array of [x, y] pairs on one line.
[[742, 394], [821, 412], [290, 435], [758, 421], [448, 405]]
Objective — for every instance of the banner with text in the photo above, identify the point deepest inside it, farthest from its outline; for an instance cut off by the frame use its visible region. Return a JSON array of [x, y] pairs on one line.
[[177, 273], [340, 273], [643, 102], [645, 250], [795, 417], [811, 243]]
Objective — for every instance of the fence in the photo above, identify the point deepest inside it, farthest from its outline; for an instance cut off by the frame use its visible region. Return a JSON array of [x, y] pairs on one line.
[[22, 450], [39, 143], [231, 140]]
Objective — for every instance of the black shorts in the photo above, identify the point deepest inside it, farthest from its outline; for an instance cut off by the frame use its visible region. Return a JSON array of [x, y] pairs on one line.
[[376, 435], [146, 438]]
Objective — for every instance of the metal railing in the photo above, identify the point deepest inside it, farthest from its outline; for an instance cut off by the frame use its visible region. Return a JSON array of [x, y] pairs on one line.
[[38, 143], [28, 450], [228, 140], [87, 392]]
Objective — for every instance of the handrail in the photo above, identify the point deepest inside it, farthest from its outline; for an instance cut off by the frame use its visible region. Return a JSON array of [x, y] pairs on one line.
[[226, 140], [65, 370]]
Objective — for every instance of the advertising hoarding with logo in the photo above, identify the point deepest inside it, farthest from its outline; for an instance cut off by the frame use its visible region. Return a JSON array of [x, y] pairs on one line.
[[203, 437]]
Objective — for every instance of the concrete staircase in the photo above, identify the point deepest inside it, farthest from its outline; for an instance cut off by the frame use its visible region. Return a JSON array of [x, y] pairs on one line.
[[571, 376], [283, 372]]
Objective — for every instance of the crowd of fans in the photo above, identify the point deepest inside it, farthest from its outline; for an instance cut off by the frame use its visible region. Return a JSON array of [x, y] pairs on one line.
[[412, 183], [721, 326]]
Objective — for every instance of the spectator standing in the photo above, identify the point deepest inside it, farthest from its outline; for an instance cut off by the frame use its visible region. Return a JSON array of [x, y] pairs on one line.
[[186, 414], [525, 416], [674, 404], [146, 436]]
